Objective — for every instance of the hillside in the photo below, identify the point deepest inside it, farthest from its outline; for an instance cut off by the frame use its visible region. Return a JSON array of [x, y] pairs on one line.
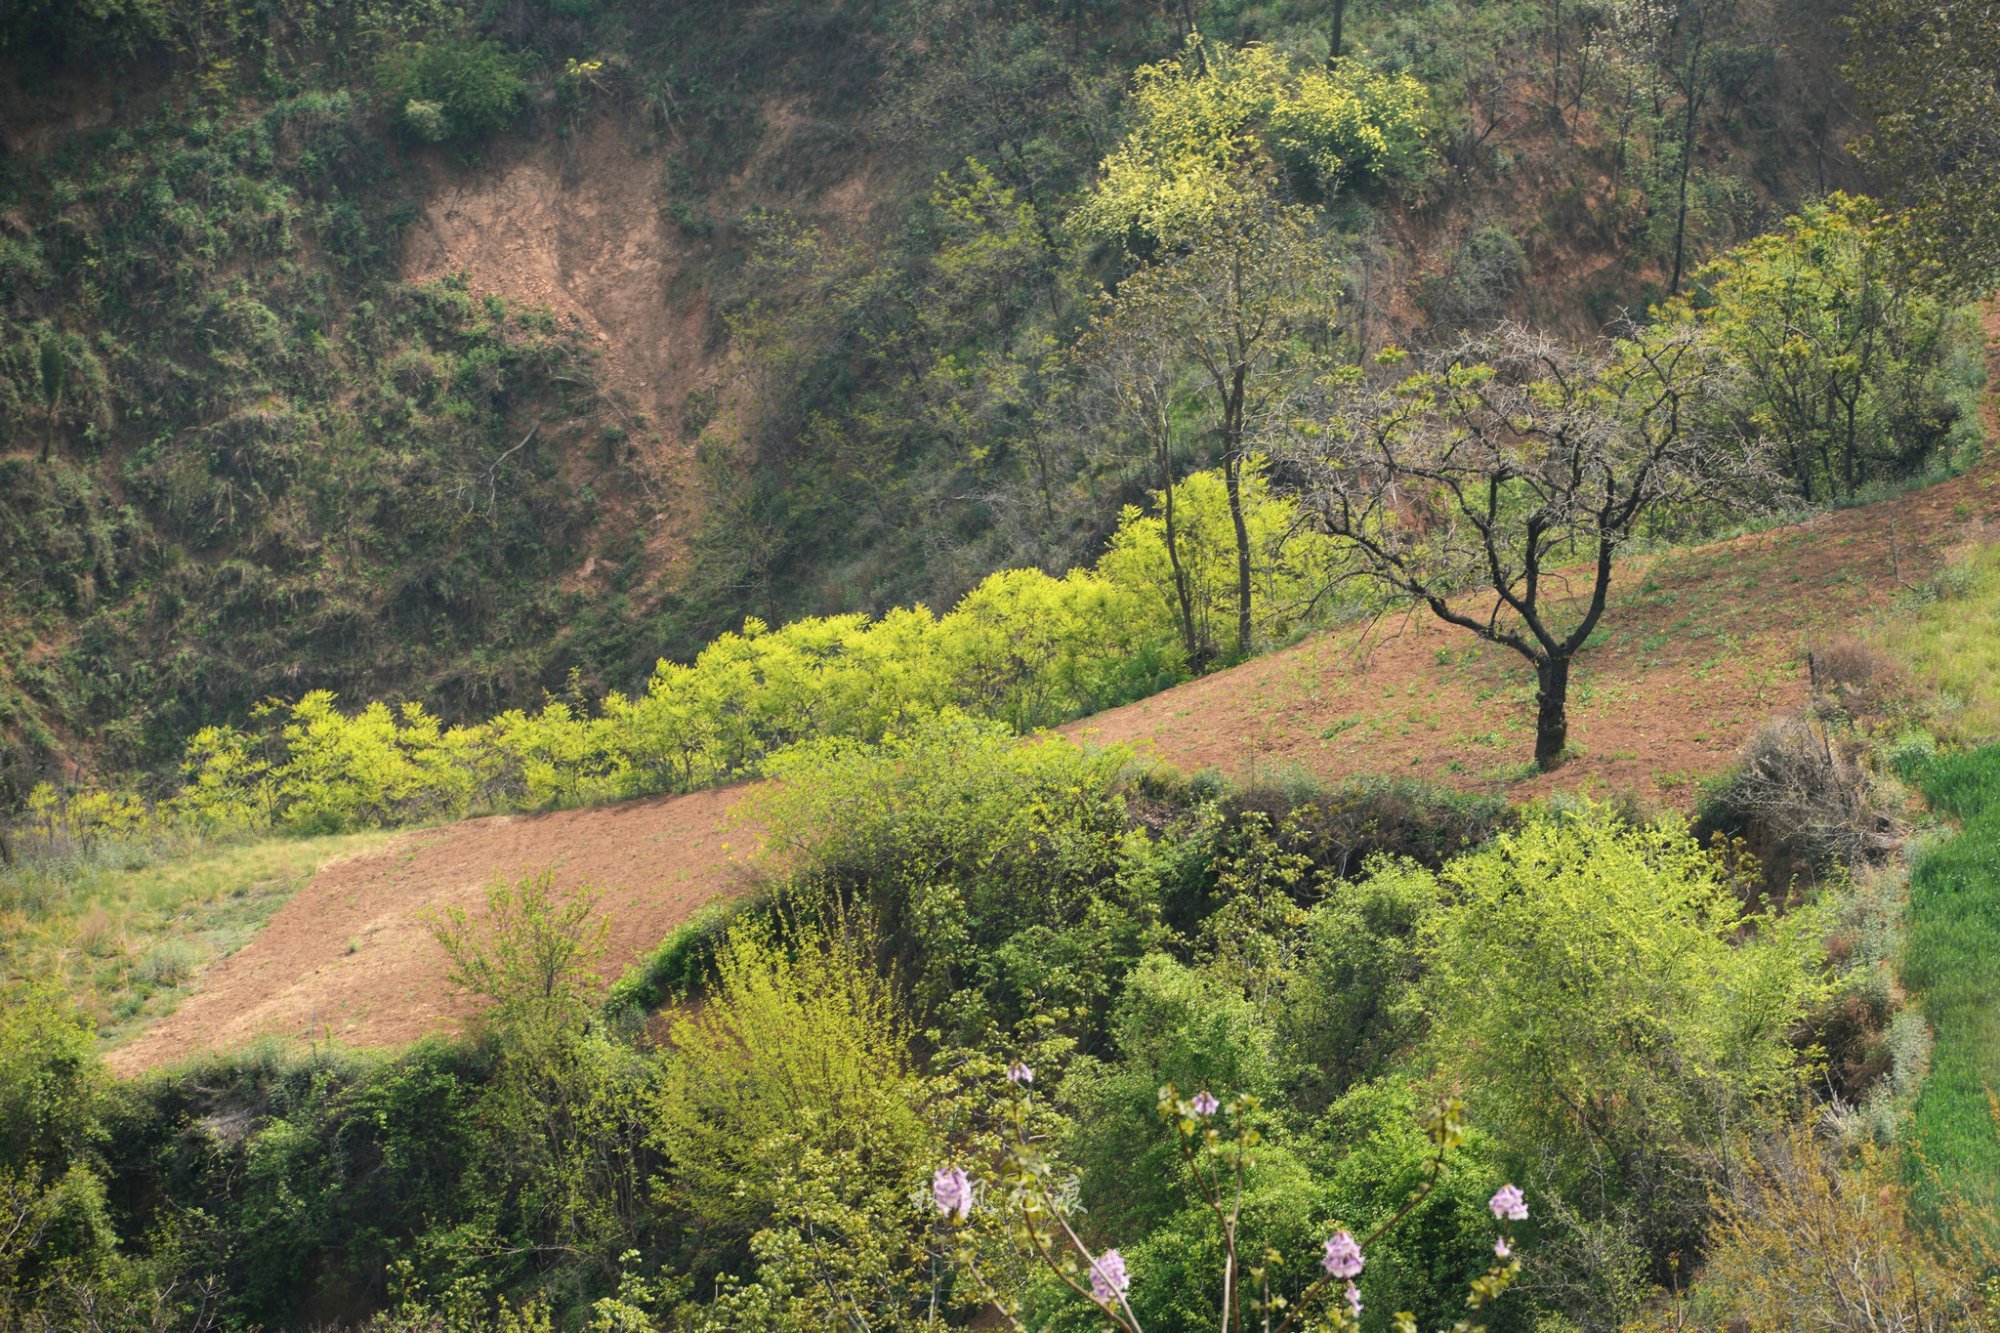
[[762, 666], [748, 356], [1704, 646]]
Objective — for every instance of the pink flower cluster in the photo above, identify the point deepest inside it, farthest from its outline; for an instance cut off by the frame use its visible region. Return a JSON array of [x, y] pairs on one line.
[[1108, 1280], [1343, 1256], [1508, 1205], [951, 1189]]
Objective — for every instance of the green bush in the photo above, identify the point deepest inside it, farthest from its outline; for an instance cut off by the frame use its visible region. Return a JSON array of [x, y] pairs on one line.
[[992, 867], [456, 90], [1613, 1011]]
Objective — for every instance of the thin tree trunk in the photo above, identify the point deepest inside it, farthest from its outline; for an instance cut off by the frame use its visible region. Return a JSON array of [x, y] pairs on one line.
[[1551, 710], [1232, 475], [1693, 110], [1197, 658], [1339, 23]]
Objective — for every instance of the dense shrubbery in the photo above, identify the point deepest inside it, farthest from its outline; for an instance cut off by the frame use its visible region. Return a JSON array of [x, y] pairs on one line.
[[452, 90], [945, 905]]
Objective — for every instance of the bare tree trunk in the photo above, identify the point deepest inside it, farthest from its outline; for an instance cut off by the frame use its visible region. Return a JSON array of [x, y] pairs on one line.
[[1339, 23], [1232, 475], [1692, 110], [1551, 710]]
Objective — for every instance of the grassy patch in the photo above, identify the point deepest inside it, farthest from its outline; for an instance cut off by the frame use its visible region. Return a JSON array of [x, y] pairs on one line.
[[1952, 643], [126, 929], [1953, 964]]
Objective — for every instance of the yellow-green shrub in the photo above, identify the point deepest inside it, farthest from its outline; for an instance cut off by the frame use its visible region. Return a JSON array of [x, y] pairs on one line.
[[1204, 121]]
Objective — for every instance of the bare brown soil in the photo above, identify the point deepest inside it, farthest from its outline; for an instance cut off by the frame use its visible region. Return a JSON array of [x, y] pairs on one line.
[[350, 957], [575, 224], [578, 224], [1698, 650]]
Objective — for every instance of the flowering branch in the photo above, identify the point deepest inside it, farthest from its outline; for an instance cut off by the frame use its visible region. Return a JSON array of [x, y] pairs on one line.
[[1041, 1219]]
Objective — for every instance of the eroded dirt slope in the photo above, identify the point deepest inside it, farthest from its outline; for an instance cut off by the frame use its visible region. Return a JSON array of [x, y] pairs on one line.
[[576, 224]]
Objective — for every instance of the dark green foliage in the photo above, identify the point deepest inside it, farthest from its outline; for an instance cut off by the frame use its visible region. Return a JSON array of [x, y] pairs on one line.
[[1925, 72], [71, 29], [1371, 1153], [1486, 269], [451, 90]]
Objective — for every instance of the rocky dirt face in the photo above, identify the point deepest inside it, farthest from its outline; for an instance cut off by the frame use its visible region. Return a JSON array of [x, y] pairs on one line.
[[577, 225]]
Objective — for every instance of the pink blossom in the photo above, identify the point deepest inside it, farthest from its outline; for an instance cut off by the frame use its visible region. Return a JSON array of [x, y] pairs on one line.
[[1108, 1279], [1508, 1205], [1501, 1249], [1204, 1103], [1354, 1299], [952, 1190], [1020, 1073], [1343, 1256]]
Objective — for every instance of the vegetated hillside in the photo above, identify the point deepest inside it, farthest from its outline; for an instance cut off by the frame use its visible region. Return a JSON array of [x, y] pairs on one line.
[[689, 313], [1703, 647]]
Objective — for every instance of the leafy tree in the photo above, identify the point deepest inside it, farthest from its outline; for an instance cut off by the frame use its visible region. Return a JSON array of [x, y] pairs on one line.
[[1213, 125], [1356, 1003], [1509, 457], [790, 1126], [1181, 559], [1240, 275], [1844, 362], [1231, 309]]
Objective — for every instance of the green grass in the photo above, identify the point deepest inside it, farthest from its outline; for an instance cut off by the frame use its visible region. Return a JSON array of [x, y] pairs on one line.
[[1952, 643], [126, 929], [1953, 965]]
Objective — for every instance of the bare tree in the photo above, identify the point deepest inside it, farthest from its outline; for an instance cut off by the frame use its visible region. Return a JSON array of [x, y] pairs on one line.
[[1515, 465]]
